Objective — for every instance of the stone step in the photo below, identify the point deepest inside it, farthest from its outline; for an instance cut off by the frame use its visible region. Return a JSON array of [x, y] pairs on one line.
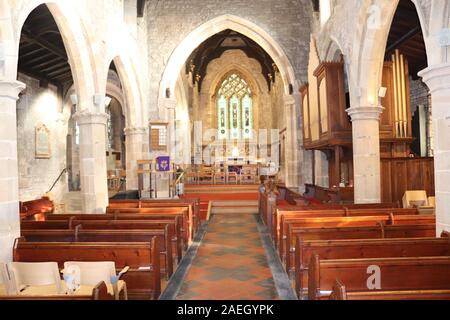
[[248, 210], [237, 203]]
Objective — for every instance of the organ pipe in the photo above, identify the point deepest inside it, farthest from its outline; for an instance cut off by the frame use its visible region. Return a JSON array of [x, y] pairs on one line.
[[400, 95], [396, 102], [403, 92]]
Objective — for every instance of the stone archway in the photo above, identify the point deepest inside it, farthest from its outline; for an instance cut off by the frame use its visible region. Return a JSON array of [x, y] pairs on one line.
[[76, 43], [212, 27], [136, 132], [291, 102]]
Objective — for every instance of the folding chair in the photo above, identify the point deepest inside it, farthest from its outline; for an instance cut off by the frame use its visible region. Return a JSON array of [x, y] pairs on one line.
[[91, 273], [36, 279]]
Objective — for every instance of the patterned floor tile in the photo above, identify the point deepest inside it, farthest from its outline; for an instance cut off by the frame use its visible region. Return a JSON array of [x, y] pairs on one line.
[[231, 263]]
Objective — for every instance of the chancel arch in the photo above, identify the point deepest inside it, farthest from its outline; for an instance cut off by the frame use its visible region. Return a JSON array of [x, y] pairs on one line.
[[217, 25], [280, 70]]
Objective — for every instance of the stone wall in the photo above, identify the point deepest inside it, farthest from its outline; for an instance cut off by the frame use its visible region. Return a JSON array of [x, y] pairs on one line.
[[419, 94], [40, 106], [287, 21]]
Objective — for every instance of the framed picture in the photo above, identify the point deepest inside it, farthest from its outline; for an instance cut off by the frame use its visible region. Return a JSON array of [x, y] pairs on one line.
[[43, 150]]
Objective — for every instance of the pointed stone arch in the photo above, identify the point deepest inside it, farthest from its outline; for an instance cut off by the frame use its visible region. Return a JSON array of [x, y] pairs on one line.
[[214, 26], [76, 43]]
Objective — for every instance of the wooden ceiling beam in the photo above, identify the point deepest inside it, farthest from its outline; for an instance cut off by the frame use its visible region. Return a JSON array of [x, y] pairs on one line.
[[59, 72], [45, 44], [412, 33], [26, 62], [38, 76], [54, 66], [140, 8]]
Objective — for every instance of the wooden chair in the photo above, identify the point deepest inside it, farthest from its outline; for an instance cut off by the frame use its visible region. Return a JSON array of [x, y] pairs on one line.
[[232, 177], [220, 175], [417, 198], [191, 176], [249, 175], [432, 202], [36, 279], [91, 273], [206, 174]]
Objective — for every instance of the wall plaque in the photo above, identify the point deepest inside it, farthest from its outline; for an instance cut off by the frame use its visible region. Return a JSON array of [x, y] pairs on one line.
[[43, 150]]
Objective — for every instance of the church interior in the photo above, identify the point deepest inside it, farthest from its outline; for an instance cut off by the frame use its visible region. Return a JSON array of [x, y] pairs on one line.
[[224, 150]]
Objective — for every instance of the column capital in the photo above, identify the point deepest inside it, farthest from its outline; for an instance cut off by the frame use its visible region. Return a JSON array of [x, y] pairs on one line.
[[11, 89], [437, 77], [89, 117], [290, 100], [365, 113], [131, 131], [167, 103]]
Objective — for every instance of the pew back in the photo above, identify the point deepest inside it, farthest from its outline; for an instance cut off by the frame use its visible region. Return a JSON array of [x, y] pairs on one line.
[[143, 280], [413, 273], [370, 248]]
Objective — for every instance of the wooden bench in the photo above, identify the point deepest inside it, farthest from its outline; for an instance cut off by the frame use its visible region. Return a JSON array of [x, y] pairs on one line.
[[100, 292], [143, 279], [162, 212], [157, 221], [47, 225], [295, 202], [287, 223], [340, 293], [278, 214], [164, 235], [193, 206], [370, 248], [412, 273], [348, 233]]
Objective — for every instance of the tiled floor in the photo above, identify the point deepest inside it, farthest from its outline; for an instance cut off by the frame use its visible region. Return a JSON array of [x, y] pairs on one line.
[[231, 263]]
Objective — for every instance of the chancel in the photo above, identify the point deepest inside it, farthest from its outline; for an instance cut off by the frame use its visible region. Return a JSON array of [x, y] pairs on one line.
[[234, 150]]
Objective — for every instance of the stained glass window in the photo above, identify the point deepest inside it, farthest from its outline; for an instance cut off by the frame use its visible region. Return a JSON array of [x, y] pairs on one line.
[[77, 134], [109, 128], [235, 108]]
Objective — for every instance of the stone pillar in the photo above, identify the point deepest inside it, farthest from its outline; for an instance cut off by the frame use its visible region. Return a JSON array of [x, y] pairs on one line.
[[9, 173], [292, 148], [93, 170], [438, 80], [366, 153], [137, 149]]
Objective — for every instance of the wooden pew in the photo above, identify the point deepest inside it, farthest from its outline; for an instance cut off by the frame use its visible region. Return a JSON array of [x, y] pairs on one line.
[[278, 214], [347, 233], [157, 221], [412, 273], [161, 212], [340, 293], [143, 279], [287, 242], [360, 248], [193, 206], [100, 292], [47, 225], [287, 223], [164, 235]]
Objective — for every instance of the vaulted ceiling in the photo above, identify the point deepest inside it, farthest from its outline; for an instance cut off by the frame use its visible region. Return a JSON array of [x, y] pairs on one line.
[[41, 53], [407, 36], [218, 44]]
